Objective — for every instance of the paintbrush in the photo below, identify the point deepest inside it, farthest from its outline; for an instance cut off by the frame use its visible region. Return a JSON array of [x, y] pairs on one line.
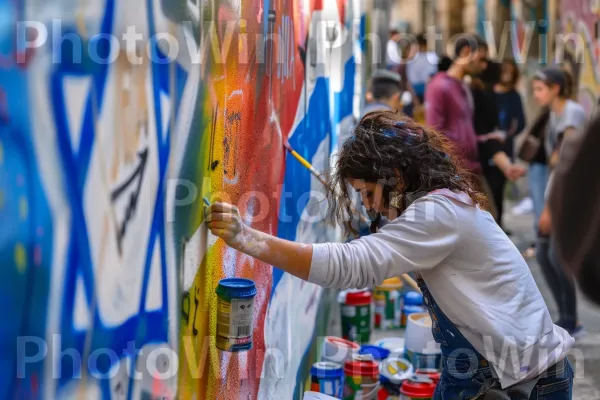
[[411, 282]]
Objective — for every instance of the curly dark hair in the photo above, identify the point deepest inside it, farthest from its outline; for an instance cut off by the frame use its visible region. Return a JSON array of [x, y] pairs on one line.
[[388, 147]]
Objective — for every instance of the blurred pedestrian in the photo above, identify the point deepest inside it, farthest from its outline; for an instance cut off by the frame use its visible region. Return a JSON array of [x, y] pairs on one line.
[[449, 105], [574, 201], [552, 88], [421, 67], [496, 163]]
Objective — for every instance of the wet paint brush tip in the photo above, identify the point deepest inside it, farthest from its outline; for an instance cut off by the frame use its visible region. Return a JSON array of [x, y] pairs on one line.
[[206, 202]]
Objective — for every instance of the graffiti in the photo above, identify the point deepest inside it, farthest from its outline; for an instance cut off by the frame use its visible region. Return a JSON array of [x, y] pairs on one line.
[[99, 255], [581, 17]]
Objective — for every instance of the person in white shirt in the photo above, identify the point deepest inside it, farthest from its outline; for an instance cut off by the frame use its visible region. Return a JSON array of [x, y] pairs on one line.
[[421, 67], [489, 318], [393, 56]]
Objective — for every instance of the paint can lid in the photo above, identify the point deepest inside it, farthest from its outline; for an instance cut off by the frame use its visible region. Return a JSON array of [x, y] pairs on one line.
[[390, 284], [395, 370], [413, 299], [361, 368], [237, 288], [394, 344], [327, 370], [358, 298], [378, 353]]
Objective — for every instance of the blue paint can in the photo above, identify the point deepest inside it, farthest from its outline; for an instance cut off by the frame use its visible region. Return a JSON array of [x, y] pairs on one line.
[[235, 312], [327, 378]]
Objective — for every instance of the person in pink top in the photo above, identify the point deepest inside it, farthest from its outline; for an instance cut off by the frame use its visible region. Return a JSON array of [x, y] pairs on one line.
[[449, 103]]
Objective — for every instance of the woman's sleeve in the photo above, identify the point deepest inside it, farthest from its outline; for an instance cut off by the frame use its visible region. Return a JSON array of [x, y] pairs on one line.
[[421, 238]]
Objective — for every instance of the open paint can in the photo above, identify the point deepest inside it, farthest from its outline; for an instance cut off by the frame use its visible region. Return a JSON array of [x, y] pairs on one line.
[[338, 350], [394, 371], [235, 311]]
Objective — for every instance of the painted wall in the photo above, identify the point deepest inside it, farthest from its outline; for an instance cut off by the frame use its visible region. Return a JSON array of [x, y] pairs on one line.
[[103, 167], [583, 18]]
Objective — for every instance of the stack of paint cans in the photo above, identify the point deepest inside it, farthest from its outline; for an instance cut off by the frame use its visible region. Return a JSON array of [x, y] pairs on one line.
[[356, 315], [327, 378], [412, 303], [387, 298], [361, 378], [235, 311]]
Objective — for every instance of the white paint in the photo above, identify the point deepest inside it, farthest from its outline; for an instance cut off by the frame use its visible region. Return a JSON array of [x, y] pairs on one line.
[[52, 181], [119, 381], [79, 389], [149, 362], [81, 316], [165, 111], [154, 299], [119, 277], [75, 91], [195, 250]]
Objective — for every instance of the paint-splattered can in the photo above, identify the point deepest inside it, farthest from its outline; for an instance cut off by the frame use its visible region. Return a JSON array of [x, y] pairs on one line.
[[387, 299], [235, 310], [394, 371], [328, 378], [362, 379], [356, 316]]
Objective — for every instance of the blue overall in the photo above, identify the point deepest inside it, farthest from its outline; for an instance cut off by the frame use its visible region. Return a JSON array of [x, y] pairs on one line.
[[467, 375]]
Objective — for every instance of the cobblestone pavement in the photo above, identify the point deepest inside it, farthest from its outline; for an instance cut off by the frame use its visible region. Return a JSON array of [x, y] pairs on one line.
[[587, 374]]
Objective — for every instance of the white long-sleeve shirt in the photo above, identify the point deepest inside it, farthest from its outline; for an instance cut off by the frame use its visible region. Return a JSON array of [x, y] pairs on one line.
[[474, 272]]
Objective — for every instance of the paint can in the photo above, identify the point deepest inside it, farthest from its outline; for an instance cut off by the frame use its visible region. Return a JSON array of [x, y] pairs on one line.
[[412, 302], [318, 396], [361, 378], [356, 315], [235, 311], [393, 372], [407, 311], [328, 378], [394, 344], [338, 350], [417, 388], [421, 348], [378, 353], [387, 298]]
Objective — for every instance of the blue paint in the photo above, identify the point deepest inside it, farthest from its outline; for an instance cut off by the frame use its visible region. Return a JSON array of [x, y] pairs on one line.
[[305, 140]]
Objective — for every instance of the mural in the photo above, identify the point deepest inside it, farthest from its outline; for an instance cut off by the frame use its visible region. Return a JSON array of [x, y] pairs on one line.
[[583, 18], [108, 147]]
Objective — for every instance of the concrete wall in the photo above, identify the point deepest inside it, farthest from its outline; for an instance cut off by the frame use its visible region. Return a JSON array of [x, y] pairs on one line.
[[105, 156]]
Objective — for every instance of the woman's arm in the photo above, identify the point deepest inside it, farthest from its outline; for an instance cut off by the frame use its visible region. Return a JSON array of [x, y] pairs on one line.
[[421, 238], [225, 222]]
